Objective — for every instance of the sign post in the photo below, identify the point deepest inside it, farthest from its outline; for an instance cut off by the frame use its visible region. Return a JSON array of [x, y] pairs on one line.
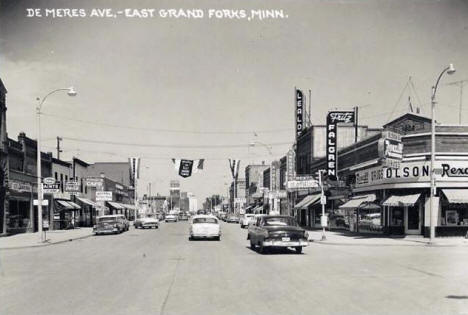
[[323, 201]]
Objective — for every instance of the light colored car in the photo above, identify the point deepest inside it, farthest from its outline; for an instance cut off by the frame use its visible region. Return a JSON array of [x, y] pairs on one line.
[[171, 218], [232, 219], [245, 219], [204, 226], [149, 223]]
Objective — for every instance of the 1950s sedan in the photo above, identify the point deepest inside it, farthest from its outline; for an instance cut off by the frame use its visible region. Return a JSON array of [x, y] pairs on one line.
[[277, 231], [204, 226]]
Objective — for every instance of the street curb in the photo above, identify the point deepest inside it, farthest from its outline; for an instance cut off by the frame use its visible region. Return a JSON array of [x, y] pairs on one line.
[[388, 245], [47, 244]]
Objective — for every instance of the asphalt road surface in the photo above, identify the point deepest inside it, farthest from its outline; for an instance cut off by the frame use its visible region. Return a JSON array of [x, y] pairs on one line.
[[161, 272]]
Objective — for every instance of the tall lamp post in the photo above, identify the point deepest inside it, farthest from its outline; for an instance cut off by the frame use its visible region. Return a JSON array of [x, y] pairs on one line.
[[450, 70], [71, 92]]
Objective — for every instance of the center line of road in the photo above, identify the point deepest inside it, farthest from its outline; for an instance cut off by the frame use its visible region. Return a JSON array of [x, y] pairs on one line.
[[163, 306]]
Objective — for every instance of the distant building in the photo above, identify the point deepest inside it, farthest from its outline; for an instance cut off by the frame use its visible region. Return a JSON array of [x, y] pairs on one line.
[[254, 182], [3, 160], [174, 194]]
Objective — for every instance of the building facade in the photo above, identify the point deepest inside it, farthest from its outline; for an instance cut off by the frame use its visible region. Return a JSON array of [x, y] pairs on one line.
[[384, 184], [254, 183], [3, 161]]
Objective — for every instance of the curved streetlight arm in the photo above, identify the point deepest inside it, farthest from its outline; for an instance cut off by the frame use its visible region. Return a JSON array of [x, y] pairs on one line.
[[39, 107], [434, 88]]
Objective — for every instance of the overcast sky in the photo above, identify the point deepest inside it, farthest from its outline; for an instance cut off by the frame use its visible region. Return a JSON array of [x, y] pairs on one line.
[[217, 81]]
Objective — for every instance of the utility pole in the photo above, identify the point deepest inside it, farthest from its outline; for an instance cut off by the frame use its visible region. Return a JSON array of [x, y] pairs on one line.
[[460, 83], [58, 147]]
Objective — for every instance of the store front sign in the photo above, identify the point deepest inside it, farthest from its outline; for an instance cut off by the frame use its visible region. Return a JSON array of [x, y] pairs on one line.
[[103, 195], [302, 184], [51, 188], [94, 182], [72, 187], [412, 172], [19, 186], [299, 113], [333, 119]]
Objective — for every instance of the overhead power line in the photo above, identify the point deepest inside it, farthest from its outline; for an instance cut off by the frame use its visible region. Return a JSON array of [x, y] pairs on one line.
[[173, 146], [102, 124]]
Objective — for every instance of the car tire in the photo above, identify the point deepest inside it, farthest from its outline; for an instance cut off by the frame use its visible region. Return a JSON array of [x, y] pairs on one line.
[[218, 238], [190, 238], [298, 250], [252, 245]]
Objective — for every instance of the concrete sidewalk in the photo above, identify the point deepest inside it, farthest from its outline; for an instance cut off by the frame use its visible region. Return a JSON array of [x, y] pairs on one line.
[[28, 240], [353, 239]]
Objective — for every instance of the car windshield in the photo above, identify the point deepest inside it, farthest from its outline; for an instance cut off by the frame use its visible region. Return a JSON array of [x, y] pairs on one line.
[[205, 220], [110, 219], [280, 221]]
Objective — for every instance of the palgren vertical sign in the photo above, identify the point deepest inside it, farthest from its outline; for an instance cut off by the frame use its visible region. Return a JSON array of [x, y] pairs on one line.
[[333, 119], [299, 112]]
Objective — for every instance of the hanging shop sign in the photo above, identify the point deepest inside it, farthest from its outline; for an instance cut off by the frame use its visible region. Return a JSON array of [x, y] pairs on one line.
[[48, 180], [333, 119], [291, 166], [51, 188], [72, 187], [94, 182], [103, 195], [277, 194], [299, 112], [185, 169], [413, 172]]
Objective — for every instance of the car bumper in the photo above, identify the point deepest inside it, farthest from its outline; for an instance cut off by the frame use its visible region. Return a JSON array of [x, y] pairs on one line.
[[107, 231], [211, 235], [150, 225], [279, 243]]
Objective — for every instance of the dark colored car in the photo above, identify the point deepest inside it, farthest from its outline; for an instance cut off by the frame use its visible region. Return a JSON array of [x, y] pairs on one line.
[[111, 224], [277, 231]]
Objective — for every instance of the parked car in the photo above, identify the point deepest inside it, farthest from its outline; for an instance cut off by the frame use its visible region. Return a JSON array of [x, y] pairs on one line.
[[137, 223], [150, 223], [277, 231], [204, 226], [110, 224], [183, 216], [232, 219], [245, 219], [171, 218], [201, 212], [223, 216]]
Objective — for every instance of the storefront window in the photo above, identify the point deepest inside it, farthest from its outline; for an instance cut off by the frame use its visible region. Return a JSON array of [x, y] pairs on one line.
[[454, 214], [19, 214], [397, 216], [370, 220]]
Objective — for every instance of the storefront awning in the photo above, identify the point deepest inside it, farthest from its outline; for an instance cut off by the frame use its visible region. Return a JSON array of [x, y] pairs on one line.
[[356, 201], [308, 200], [74, 205], [66, 205], [127, 206], [456, 195], [87, 202], [115, 205], [401, 201], [259, 208]]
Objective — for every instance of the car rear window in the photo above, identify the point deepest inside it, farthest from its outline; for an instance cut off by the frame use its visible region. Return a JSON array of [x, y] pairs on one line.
[[205, 220], [279, 221], [111, 219]]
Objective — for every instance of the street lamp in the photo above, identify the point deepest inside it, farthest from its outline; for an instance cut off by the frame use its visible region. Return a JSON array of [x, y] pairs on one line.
[[71, 92], [450, 70]]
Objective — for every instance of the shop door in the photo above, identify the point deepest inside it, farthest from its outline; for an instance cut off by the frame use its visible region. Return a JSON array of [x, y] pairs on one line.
[[413, 220]]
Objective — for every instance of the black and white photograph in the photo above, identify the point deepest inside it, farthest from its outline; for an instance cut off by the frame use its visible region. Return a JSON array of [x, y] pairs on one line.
[[230, 157]]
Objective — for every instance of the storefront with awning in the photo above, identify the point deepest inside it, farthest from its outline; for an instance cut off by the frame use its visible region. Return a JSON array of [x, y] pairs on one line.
[[305, 211], [403, 213], [363, 214], [129, 211], [66, 214], [88, 211], [115, 207]]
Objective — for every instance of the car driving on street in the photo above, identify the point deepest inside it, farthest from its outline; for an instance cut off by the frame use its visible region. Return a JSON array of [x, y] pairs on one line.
[[277, 231], [245, 219], [171, 218], [204, 226], [110, 224], [232, 219], [149, 223]]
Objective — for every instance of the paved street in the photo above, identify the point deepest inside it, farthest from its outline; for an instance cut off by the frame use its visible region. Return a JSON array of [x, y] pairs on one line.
[[161, 272]]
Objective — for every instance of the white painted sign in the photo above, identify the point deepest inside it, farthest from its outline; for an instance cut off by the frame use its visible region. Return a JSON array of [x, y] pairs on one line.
[[103, 195], [298, 184], [45, 202], [94, 182], [49, 180], [50, 188], [413, 172]]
